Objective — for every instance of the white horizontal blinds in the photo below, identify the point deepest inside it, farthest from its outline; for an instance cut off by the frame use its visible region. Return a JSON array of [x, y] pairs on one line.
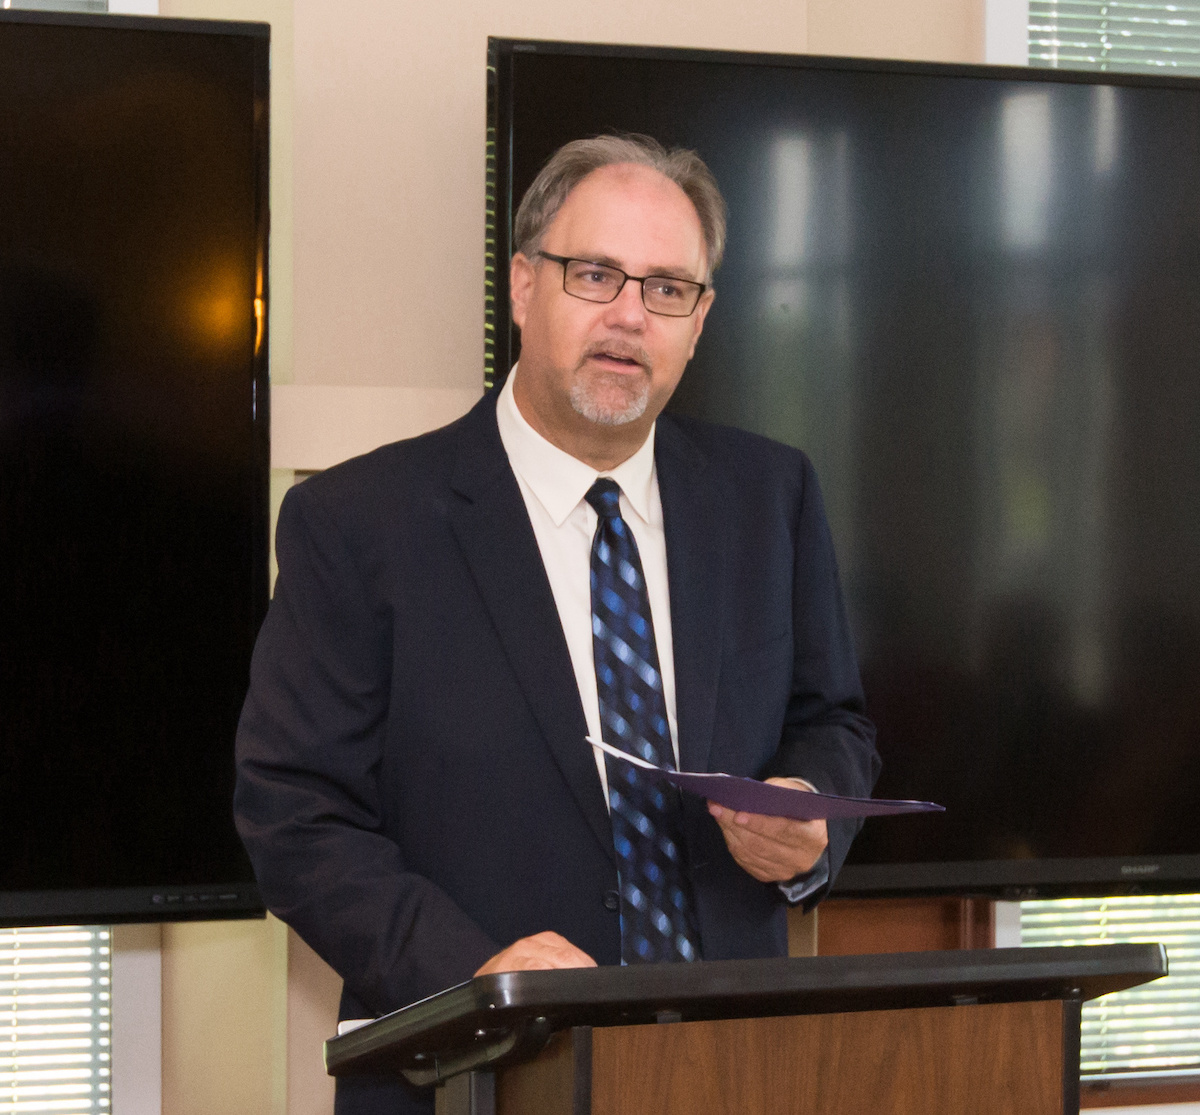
[[1120, 36], [1147, 1030], [55, 1020]]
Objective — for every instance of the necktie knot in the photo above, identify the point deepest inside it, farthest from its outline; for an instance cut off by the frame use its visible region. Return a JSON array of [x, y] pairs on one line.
[[605, 498]]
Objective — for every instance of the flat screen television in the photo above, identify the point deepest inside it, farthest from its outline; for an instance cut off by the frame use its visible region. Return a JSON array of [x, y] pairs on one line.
[[133, 460], [972, 295]]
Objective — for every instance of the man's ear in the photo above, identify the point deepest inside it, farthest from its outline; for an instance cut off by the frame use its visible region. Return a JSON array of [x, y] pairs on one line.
[[520, 286]]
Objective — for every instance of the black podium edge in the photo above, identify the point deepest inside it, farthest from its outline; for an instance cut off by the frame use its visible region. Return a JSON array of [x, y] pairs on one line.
[[493, 1020]]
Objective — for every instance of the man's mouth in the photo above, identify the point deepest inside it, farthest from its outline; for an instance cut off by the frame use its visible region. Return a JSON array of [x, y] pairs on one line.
[[617, 357]]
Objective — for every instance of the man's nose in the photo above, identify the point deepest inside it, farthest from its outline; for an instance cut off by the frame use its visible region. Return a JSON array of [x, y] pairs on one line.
[[628, 309]]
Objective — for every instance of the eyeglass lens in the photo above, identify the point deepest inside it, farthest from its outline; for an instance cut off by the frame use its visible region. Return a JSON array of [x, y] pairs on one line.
[[661, 294]]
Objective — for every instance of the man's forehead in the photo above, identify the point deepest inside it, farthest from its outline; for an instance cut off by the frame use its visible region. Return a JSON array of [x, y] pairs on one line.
[[630, 183], [628, 208]]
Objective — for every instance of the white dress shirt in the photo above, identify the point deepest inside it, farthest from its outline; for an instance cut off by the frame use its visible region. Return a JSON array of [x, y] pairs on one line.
[[553, 484]]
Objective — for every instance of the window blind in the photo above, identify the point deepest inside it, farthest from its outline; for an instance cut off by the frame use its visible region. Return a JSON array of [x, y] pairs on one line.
[[1122, 36], [55, 1022], [1145, 1031]]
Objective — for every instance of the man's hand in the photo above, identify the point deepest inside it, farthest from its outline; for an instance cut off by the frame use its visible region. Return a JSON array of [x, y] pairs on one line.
[[543, 950], [772, 849]]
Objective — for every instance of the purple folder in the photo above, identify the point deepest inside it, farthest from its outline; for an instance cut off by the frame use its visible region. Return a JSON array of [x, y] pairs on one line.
[[747, 795]]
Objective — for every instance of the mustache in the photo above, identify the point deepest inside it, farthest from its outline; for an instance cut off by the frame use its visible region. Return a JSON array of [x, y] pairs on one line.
[[620, 348]]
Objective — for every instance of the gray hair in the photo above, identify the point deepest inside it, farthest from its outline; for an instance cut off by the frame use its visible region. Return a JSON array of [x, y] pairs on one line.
[[574, 161]]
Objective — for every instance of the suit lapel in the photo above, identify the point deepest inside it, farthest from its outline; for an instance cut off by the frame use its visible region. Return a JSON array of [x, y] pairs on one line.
[[492, 526], [696, 540]]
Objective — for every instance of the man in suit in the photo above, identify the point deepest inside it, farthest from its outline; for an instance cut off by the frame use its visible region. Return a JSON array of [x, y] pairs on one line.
[[415, 786]]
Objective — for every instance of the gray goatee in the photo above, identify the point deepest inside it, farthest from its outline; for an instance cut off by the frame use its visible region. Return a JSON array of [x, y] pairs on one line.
[[589, 395]]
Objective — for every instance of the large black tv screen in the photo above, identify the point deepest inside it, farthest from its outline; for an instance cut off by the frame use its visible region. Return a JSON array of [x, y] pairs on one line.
[[972, 294], [133, 459]]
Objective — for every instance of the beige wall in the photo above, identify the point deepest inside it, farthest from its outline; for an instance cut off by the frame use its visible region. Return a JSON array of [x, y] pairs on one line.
[[916, 30], [376, 282], [313, 991], [224, 1018]]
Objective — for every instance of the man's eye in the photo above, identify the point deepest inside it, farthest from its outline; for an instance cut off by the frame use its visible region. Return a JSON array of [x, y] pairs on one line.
[[666, 288], [596, 277]]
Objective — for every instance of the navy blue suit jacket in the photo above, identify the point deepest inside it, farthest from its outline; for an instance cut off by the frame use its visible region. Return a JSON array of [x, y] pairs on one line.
[[414, 787]]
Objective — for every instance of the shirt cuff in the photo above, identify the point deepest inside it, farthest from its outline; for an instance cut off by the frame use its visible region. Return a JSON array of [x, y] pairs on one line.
[[803, 886]]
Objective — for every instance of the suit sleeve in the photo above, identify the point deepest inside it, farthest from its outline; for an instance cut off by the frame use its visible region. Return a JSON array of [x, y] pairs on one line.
[[307, 802], [826, 738]]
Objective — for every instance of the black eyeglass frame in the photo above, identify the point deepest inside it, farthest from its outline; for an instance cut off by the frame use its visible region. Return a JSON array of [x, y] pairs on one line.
[[641, 280]]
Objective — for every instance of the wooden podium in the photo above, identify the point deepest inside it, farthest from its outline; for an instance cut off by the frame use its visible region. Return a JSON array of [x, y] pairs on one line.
[[992, 1032]]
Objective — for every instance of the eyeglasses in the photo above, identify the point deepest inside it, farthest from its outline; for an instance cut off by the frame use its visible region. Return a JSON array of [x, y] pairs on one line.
[[596, 282]]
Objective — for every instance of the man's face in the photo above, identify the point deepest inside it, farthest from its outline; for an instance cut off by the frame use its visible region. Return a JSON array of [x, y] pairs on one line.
[[595, 376]]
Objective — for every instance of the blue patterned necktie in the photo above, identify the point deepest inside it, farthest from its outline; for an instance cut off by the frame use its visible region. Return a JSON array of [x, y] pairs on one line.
[[657, 917]]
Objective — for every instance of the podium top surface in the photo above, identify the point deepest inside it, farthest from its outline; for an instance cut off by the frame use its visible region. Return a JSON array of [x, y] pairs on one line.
[[497, 1017]]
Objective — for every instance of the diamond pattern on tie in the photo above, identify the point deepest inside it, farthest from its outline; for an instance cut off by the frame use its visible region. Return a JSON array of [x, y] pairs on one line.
[[657, 915]]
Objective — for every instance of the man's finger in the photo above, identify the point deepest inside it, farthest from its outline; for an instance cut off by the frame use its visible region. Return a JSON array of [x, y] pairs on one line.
[[539, 952], [777, 851], [785, 830], [771, 849], [772, 857], [761, 867]]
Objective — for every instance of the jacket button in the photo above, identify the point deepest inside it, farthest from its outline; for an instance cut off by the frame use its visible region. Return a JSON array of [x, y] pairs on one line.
[[612, 900]]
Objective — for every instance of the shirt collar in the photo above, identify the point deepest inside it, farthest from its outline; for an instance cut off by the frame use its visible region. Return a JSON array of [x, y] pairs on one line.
[[558, 480]]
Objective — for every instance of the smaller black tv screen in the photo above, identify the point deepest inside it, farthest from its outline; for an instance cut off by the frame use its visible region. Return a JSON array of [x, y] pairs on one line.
[[133, 459], [972, 295]]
